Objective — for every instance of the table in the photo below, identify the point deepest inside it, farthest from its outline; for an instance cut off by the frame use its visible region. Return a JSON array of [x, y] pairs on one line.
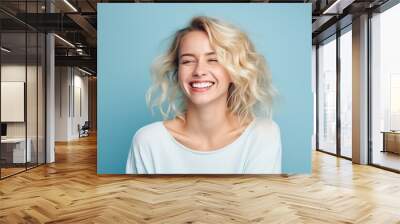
[[391, 141], [16, 147]]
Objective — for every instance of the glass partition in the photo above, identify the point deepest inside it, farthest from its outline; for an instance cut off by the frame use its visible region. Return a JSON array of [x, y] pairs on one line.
[[22, 78], [14, 153], [327, 95]]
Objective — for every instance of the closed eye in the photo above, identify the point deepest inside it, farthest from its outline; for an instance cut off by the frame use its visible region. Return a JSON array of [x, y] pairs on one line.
[[213, 60], [186, 61]]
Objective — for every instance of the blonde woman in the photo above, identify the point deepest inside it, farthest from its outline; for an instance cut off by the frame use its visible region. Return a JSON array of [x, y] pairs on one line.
[[219, 93]]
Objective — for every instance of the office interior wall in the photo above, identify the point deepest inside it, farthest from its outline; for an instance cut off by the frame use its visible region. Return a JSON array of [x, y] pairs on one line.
[[80, 106], [71, 102], [17, 73], [34, 107], [92, 107], [12, 70], [62, 80], [24, 62]]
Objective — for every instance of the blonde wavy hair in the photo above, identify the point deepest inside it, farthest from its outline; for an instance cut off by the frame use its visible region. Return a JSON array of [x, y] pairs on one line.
[[251, 93]]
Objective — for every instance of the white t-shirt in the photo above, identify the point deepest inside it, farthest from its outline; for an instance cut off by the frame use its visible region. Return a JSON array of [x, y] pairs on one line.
[[256, 151]]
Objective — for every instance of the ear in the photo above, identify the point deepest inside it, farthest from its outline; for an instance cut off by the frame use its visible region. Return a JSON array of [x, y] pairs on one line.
[[231, 87]]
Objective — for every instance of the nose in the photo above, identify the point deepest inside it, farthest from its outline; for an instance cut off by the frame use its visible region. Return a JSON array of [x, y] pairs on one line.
[[200, 69]]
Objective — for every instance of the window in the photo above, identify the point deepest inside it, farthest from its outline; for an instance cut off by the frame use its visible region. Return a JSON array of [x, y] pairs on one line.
[[385, 88], [346, 92], [327, 96]]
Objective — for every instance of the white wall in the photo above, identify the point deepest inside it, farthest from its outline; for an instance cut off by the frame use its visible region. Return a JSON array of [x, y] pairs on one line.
[[62, 81], [10, 73], [16, 72], [33, 127], [80, 105], [70, 84]]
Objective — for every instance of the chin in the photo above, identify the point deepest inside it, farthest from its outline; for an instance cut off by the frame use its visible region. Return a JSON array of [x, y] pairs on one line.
[[204, 100], [200, 102]]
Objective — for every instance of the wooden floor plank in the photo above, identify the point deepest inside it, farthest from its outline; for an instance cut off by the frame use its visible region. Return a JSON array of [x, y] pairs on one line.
[[70, 191]]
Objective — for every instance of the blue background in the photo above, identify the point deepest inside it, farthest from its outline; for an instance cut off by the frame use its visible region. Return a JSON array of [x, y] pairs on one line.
[[130, 36]]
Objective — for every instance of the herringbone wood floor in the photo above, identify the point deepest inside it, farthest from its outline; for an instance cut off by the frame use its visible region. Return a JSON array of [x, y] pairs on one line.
[[70, 191]]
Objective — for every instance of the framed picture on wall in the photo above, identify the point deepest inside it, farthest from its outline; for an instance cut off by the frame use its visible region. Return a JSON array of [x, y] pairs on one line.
[[204, 89], [12, 101]]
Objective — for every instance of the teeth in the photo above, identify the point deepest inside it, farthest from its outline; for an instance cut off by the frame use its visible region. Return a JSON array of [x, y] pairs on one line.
[[201, 84]]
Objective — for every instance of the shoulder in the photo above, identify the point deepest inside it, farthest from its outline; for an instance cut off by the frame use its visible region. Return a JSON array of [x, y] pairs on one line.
[[265, 148], [148, 133], [265, 131], [266, 127]]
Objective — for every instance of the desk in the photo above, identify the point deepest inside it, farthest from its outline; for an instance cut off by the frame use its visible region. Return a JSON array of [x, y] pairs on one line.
[[391, 141], [16, 147]]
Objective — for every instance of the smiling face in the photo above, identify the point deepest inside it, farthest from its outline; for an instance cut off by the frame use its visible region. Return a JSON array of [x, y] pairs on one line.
[[202, 78]]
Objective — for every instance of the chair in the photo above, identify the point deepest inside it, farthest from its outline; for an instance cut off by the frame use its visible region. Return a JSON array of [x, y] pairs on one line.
[[84, 130]]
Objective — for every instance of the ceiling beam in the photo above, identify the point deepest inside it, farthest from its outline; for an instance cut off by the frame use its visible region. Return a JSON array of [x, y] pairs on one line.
[[85, 61], [86, 26]]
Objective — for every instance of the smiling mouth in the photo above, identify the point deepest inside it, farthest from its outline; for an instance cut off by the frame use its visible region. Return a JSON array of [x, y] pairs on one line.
[[202, 86]]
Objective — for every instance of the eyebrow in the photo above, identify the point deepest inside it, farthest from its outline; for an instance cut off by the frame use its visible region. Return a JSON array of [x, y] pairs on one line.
[[192, 55]]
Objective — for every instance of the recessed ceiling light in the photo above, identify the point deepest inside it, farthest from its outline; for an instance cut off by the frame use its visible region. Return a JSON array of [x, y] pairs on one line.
[[84, 71], [337, 7], [70, 5], [5, 50], [64, 40]]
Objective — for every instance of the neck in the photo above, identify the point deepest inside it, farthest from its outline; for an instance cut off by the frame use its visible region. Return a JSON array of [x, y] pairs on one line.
[[209, 121]]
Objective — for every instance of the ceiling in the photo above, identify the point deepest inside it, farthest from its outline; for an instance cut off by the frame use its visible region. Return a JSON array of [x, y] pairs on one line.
[[76, 22]]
